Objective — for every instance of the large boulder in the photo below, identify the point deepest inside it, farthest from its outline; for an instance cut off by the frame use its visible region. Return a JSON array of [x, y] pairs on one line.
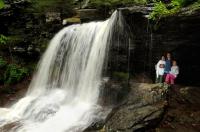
[[183, 113], [141, 108]]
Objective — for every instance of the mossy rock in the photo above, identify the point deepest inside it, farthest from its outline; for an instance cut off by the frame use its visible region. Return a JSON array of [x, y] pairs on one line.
[[72, 20], [120, 75]]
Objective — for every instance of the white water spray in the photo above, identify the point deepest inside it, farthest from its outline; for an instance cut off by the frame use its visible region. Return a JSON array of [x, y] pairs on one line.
[[63, 95]]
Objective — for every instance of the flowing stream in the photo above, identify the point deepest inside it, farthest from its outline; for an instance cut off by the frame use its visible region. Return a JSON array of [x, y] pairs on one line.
[[63, 95]]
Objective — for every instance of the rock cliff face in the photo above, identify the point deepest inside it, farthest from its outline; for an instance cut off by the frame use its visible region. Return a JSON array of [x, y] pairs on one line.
[[178, 35], [141, 106]]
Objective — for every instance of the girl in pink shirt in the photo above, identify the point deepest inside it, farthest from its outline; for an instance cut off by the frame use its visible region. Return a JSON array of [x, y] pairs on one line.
[[171, 76]]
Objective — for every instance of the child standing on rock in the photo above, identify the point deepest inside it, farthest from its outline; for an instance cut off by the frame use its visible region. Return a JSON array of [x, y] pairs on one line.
[[168, 64], [171, 76], [160, 68]]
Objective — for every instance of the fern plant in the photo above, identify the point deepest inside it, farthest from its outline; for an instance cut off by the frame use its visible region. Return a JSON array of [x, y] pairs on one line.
[[14, 73], [161, 9], [3, 39], [2, 62]]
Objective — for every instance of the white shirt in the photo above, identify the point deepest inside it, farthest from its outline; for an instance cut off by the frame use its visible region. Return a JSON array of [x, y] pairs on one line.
[[159, 70], [174, 70]]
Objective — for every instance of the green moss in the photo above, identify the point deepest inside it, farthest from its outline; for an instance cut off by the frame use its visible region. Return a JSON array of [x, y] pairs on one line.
[[120, 75], [73, 20]]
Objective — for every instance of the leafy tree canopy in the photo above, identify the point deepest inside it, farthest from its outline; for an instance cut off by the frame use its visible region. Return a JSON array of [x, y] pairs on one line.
[[161, 9]]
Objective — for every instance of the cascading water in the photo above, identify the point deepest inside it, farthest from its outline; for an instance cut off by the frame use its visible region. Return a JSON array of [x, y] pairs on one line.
[[86, 3], [63, 95]]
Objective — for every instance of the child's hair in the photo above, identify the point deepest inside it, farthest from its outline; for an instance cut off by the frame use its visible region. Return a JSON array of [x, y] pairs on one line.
[[174, 61], [168, 53]]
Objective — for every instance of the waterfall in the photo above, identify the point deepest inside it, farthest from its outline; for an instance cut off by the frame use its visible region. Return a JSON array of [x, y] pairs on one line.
[[85, 3], [63, 95]]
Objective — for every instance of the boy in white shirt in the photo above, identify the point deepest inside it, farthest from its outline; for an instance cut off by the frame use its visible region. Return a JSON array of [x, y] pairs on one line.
[[160, 68]]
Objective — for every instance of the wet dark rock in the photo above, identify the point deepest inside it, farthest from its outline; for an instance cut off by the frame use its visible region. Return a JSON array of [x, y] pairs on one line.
[[143, 108], [139, 108], [10, 6], [145, 10], [95, 126], [114, 92], [190, 94], [87, 15], [29, 50], [183, 113], [53, 16]]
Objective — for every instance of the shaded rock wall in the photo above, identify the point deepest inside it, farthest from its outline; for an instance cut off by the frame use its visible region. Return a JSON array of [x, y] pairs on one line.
[[180, 36], [177, 34], [87, 15]]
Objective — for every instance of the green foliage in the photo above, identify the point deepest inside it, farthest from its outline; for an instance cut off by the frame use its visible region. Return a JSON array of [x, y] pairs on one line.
[[161, 9], [1, 4], [120, 75], [14, 73], [2, 62], [3, 39]]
